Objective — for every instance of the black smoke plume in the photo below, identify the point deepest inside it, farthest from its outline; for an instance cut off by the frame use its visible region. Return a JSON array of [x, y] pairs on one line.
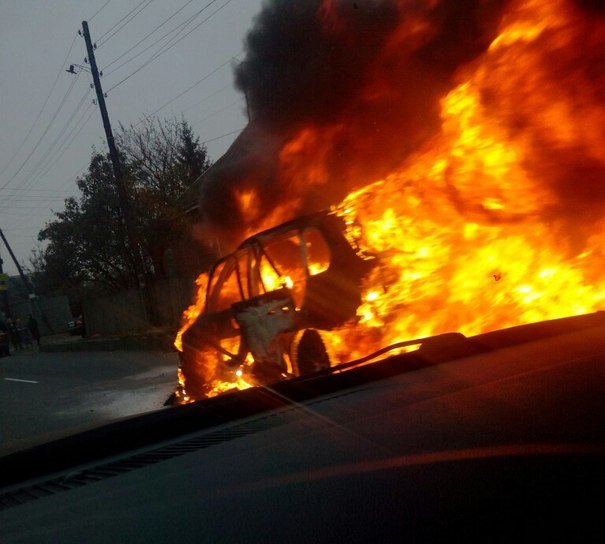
[[365, 77]]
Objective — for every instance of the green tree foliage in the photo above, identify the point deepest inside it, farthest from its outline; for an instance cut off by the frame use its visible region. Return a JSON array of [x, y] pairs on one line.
[[87, 242]]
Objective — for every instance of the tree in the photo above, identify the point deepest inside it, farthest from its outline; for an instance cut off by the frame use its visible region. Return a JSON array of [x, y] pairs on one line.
[[163, 158], [86, 242], [192, 157]]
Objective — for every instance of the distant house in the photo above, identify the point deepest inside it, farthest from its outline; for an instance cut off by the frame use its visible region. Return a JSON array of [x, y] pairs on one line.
[[209, 200], [188, 254]]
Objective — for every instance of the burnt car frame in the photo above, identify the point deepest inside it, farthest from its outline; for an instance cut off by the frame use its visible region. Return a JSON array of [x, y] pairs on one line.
[[267, 302]]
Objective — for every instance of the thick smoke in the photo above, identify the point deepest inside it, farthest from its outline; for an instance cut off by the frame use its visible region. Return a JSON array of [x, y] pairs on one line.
[[340, 91]]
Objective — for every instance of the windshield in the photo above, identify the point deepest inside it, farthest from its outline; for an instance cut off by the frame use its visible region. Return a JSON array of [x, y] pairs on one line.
[[199, 199]]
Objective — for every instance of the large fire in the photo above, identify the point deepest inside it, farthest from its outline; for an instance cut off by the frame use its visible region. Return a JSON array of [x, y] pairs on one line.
[[470, 232]]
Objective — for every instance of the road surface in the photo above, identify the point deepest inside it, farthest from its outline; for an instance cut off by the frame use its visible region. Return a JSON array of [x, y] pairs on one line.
[[47, 395]]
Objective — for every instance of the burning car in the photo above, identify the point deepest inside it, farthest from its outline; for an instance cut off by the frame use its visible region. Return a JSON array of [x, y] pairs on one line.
[[268, 303]]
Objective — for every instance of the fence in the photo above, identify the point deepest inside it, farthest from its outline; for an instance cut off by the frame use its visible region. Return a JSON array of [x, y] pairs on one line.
[[126, 312], [51, 313]]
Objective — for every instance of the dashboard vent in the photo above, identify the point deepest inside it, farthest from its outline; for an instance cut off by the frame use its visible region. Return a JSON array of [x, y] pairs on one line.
[[114, 468]]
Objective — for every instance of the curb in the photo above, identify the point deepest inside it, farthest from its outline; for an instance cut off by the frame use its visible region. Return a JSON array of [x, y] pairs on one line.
[[153, 343]]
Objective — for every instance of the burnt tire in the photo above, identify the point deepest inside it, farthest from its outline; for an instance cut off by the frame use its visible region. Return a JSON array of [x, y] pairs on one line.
[[199, 368], [310, 352]]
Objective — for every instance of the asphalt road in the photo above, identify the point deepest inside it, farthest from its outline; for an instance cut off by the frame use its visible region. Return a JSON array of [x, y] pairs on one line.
[[48, 395]]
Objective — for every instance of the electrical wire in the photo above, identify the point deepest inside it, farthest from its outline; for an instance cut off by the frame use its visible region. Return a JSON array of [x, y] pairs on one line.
[[101, 42], [116, 24], [40, 170], [169, 45], [42, 108], [208, 97], [178, 29], [222, 136], [215, 112], [29, 207], [71, 137], [70, 194], [34, 209], [201, 80], [69, 181], [68, 142], [58, 110], [13, 230], [35, 174], [62, 131], [37, 199], [32, 190], [98, 11], [147, 35]]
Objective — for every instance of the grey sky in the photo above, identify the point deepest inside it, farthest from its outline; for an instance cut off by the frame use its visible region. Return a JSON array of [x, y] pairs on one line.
[[35, 37]]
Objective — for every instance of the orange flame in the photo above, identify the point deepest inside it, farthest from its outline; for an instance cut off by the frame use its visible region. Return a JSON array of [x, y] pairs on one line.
[[191, 314], [471, 232]]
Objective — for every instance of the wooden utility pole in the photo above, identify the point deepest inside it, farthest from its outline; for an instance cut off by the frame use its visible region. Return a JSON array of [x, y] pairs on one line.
[[28, 287], [4, 292], [115, 161]]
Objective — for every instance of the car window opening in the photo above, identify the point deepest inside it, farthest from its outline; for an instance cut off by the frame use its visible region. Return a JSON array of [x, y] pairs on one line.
[[228, 286], [285, 254], [316, 250]]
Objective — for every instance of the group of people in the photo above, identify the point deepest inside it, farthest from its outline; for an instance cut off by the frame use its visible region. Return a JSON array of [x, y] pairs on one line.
[[21, 335]]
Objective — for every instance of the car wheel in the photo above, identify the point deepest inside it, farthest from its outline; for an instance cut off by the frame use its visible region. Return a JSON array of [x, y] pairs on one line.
[[309, 352], [199, 369]]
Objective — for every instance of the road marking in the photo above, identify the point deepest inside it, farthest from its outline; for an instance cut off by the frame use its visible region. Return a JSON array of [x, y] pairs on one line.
[[18, 380]]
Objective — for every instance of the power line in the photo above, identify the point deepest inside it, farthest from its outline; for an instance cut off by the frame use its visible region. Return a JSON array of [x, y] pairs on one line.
[[33, 175], [33, 209], [222, 136], [208, 97], [66, 193], [204, 78], [179, 27], [37, 199], [62, 131], [39, 169], [167, 47], [123, 25], [70, 139], [224, 108], [70, 193], [29, 207], [98, 11], [13, 230], [116, 24], [147, 35], [17, 190], [62, 103], [42, 108]]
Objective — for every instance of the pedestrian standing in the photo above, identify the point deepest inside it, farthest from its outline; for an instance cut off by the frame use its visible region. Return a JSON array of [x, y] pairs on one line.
[[25, 337], [13, 334], [33, 328]]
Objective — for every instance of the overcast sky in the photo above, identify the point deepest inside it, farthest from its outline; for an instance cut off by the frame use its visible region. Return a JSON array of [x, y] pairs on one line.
[[39, 40]]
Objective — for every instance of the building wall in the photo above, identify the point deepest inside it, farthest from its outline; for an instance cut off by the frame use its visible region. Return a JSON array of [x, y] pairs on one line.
[[51, 313], [126, 312]]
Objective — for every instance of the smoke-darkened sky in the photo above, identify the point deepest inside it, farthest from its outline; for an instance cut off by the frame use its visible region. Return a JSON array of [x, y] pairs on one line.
[[364, 79], [345, 92], [35, 39]]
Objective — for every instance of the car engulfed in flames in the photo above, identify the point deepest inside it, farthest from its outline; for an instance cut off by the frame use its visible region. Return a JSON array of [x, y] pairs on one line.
[[267, 307], [463, 155]]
